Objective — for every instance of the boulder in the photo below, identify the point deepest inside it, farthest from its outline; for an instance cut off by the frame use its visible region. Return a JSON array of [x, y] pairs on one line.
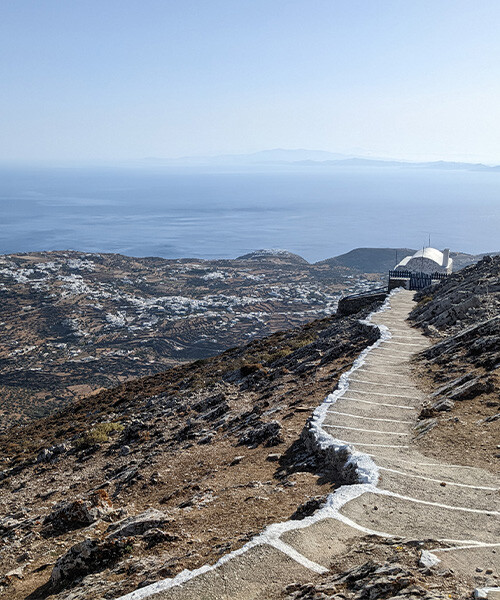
[[87, 557], [137, 525], [268, 434], [80, 512]]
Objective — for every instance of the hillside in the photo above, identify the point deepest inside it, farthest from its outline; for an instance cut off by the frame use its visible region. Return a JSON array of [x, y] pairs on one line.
[[370, 260], [192, 446], [461, 370]]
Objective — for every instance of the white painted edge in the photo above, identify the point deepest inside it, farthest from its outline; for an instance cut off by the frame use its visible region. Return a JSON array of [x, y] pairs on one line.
[[480, 511], [376, 383], [384, 394]]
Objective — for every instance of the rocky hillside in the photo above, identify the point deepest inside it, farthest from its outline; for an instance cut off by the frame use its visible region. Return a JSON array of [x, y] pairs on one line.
[[461, 370], [170, 471], [72, 323]]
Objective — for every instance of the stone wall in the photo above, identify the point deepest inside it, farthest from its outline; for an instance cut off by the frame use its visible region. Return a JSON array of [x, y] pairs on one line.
[[353, 304]]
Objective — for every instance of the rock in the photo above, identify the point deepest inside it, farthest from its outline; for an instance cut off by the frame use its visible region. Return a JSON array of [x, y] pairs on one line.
[[308, 508], [78, 513], [273, 457], [52, 453], [491, 418], [252, 369], [87, 557], [236, 460], [8, 524], [268, 434], [137, 525], [428, 560], [425, 426], [124, 450], [44, 456], [156, 536], [15, 573]]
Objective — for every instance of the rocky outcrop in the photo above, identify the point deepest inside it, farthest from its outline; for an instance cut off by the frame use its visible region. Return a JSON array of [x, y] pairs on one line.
[[79, 513], [268, 434], [465, 299], [87, 557], [350, 305], [462, 367], [370, 581], [137, 525]]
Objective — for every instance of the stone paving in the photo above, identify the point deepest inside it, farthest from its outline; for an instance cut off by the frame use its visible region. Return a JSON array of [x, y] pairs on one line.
[[414, 496]]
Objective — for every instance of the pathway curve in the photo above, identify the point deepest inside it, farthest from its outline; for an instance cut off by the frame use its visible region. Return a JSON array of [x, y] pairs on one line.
[[405, 493]]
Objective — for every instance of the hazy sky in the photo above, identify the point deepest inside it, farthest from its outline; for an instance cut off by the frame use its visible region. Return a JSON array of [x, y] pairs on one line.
[[120, 79]]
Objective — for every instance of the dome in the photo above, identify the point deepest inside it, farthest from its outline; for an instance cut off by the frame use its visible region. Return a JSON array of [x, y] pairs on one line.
[[427, 260]]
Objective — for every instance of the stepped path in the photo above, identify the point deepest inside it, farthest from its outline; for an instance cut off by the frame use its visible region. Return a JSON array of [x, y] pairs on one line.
[[413, 497]]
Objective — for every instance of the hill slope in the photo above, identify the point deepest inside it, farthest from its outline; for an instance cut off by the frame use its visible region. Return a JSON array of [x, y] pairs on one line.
[[370, 260], [462, 370], [213, 447]]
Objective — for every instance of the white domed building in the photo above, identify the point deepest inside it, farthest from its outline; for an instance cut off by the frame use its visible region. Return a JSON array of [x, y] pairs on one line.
[[427, 260], [425, 267]]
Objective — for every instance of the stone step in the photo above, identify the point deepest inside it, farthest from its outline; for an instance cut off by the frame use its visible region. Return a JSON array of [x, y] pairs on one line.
[[387, 425], [365, 435], [261, 572], [421, 466], [358, 405], [434, 491], [407, 518]]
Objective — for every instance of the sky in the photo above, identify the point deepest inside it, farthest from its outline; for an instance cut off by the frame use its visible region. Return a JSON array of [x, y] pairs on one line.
[[126, 79]]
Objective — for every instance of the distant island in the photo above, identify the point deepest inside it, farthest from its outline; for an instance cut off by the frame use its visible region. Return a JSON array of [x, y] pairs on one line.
[[302, 157]]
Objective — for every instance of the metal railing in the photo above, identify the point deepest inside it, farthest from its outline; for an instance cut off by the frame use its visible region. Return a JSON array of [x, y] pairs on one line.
[[400, 274]]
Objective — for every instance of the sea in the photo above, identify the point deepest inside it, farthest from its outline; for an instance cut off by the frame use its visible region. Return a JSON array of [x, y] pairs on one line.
[[314, 211]]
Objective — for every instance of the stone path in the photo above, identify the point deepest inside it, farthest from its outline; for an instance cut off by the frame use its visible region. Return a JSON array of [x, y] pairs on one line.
[[405, 494]]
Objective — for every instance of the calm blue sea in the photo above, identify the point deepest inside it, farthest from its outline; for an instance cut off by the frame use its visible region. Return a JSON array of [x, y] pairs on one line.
[[317, 212]]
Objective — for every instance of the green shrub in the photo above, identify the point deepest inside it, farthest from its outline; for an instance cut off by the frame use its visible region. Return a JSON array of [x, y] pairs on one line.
[[98, 435]]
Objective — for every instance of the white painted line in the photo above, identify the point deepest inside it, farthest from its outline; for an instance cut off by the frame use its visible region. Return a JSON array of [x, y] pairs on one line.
[[365, 430], [423, 464], [467, 547], [386, 395], [372, 445], [465, 485], [383, 359], [369, 418], [437, 504], [380, 403], [370, 371], [297, 556], [391, 341], [402, 355], [375, 383]]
